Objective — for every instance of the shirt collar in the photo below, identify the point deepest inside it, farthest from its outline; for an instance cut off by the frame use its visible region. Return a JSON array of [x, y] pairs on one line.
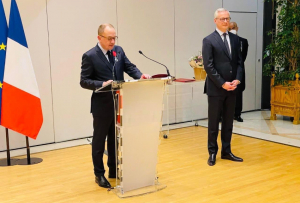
[[220, 32], [103, 50]]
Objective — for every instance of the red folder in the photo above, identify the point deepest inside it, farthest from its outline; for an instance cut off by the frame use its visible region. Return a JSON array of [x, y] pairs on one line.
[[184, 80], [160, 76]]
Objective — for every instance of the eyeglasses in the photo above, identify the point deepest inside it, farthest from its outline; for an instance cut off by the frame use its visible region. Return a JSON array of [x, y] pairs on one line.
[[110, 38], [223, 19]]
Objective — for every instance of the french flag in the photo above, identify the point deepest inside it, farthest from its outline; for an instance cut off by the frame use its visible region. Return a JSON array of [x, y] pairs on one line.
[[3, 43], [21, 103]]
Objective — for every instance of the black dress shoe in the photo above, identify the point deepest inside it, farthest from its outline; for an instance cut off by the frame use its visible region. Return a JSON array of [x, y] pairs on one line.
[[211, 160], [238, 119], [231, 157], [102, 182]]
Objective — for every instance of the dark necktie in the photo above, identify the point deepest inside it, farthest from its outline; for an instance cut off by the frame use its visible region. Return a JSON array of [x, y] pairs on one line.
[[110, 57], [226, 43]]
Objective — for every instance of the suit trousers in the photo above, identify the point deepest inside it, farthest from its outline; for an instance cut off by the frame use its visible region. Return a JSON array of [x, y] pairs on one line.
[[103, 127], [239, 103], [218, 105]]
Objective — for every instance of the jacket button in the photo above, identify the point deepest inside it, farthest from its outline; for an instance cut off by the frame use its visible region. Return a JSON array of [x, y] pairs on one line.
[[230, 71]]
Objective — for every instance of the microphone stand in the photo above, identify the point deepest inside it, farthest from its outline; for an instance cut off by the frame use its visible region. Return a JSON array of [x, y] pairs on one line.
[[113, 69], [156, 62]]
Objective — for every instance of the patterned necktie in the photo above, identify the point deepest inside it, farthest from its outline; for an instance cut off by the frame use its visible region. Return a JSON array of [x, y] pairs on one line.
[[110, 57], [226, 44]]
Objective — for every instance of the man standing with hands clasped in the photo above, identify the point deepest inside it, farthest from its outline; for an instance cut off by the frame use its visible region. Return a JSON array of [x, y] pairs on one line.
[[233, 28], [100, 66], [223, 64]]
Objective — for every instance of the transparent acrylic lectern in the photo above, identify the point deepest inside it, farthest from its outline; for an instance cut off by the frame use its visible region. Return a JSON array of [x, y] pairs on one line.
[[139, 107]]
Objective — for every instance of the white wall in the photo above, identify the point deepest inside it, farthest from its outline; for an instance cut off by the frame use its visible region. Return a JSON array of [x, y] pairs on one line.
[[193, 21], [147, 26], [73, 29], [241, 5], [60, 31]]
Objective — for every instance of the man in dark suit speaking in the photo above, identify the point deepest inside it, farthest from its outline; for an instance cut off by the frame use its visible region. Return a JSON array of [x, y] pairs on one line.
[[100, 66], [233, 28], [223, 64]]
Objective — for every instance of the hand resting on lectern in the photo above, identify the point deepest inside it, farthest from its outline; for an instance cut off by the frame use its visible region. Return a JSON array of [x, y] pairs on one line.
[[106, 83], [145, 76]]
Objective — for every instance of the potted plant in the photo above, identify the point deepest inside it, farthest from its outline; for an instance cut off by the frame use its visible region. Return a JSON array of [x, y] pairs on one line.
[[284, 61], [196, 62]]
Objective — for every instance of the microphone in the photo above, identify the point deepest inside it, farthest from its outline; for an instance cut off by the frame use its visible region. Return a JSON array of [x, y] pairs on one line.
[[156, 62]]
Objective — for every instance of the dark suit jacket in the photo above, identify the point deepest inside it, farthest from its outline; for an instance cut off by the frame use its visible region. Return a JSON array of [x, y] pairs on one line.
[[95, 69], [244, 49], [218, 64]]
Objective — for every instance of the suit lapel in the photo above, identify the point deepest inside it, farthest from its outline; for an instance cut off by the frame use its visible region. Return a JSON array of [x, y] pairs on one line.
[[221, 43], [103, 58], [231, 43], [116, 64]]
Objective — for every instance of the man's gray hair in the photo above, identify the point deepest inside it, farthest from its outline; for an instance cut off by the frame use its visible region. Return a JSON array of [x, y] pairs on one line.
[[220, 10]]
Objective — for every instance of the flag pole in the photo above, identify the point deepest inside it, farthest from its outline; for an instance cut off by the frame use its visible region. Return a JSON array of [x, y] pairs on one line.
[[7, 148], [8, 161], [28, 151], [28, 160]]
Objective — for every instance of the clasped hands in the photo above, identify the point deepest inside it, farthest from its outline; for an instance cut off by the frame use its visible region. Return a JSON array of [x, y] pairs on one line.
[[230, 86]]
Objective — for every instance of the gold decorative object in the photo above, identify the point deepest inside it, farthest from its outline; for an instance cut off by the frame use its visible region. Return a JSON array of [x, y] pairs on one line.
[[285, 100], [196, 63]]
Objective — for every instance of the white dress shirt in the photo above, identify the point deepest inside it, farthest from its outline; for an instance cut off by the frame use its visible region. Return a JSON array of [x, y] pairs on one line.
[[104, 51], [227, 37]]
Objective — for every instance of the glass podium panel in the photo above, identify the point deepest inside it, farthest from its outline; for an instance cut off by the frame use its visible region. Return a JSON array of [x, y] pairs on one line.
[[139, 106]]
